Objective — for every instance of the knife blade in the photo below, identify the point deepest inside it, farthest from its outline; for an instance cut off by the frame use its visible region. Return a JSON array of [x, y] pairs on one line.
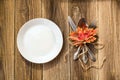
[[91, 54], [72, 24], [93, 24]]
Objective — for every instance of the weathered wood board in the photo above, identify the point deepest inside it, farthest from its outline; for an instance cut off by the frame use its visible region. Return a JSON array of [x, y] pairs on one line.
[[14, 13]]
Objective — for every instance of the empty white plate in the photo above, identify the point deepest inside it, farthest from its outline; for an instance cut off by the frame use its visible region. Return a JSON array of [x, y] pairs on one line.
[[39, 40]]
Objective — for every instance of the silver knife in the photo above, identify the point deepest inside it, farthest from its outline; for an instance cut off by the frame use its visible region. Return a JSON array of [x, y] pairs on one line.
[[91, 54], [72, 24]]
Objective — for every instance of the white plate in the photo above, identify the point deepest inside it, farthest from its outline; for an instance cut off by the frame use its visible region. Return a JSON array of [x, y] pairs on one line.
[[39, 40]]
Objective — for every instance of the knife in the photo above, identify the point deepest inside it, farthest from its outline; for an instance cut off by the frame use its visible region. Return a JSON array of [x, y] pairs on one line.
[[91, 54], [92, 25], [72, 24]]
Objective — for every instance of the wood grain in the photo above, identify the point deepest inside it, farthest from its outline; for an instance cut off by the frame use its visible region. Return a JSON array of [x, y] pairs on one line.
[[59, 68], [6, 39], [35, 11], [22, 67], [14, 13], [105, 39], [110, 39], [82, 9], [26, 10]]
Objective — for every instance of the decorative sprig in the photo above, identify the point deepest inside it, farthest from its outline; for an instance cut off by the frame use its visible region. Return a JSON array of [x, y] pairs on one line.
[[83, 36]]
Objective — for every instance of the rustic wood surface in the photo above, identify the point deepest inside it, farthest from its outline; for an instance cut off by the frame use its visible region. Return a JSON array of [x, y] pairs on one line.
[[14, 13]]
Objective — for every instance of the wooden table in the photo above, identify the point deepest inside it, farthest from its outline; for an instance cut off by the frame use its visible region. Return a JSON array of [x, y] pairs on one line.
[[14, 13]]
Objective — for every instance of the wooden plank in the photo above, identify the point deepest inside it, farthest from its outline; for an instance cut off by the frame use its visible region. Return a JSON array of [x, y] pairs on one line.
[[26, 10], [35, 12], [116, 10], [59, 68], [76, 70], [106, 34], [109, 35], [107, 15], [83, 9], [6, 39], [22, 67]]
